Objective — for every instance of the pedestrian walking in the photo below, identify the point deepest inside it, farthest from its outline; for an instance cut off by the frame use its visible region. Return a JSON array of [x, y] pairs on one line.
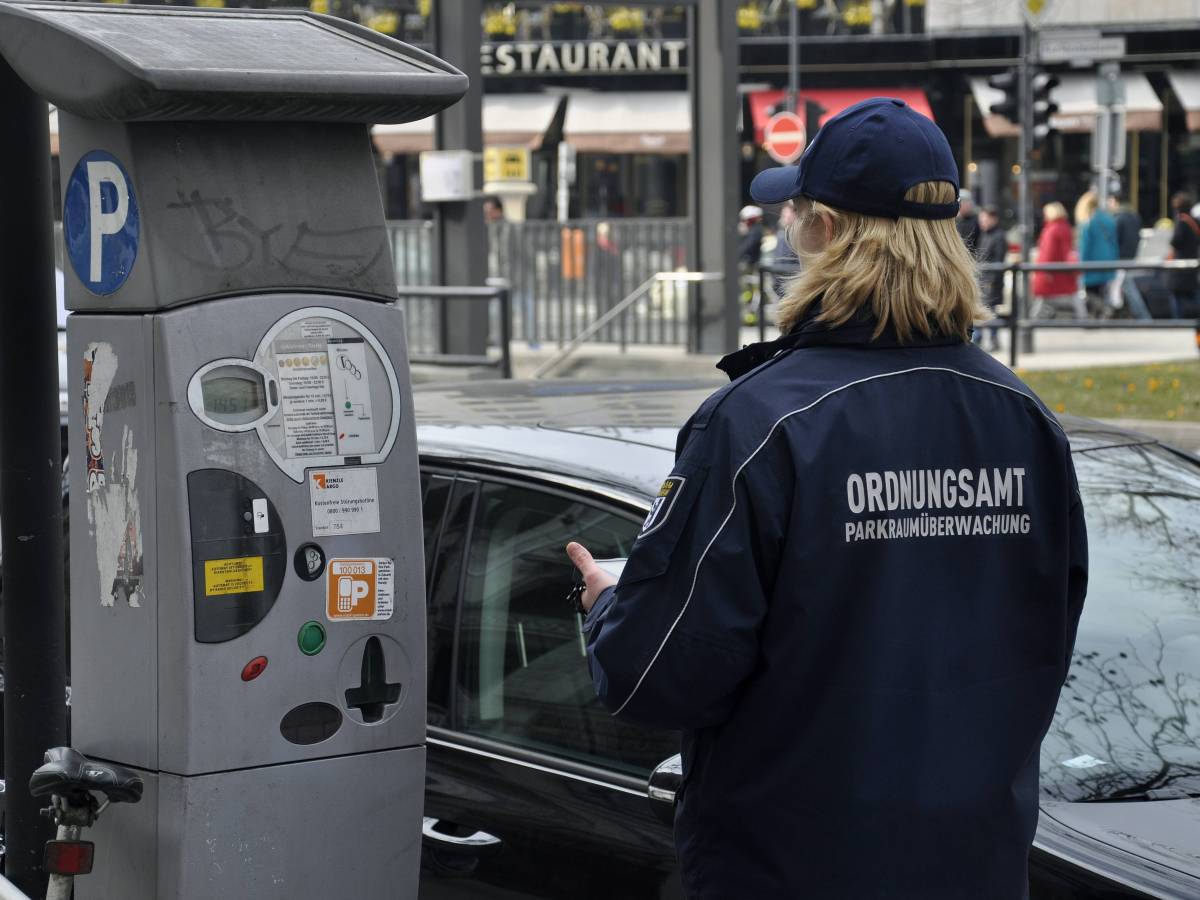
[[750, 249], [1185, 244], [856, 593], [1125, 291], [1097, 243], [1054, 290], [993, 249], [750, 226]]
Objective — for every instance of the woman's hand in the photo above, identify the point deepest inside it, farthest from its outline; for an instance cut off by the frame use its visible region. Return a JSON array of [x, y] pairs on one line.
[[595, 579]]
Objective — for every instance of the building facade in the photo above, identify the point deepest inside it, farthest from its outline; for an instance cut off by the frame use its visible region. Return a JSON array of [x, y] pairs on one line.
[[593, 98]]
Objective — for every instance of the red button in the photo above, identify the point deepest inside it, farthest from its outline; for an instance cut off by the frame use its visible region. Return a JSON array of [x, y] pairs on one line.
[[254, 668]]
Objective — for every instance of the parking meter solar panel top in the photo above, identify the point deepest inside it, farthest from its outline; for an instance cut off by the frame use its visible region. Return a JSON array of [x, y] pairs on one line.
[[146, 64]]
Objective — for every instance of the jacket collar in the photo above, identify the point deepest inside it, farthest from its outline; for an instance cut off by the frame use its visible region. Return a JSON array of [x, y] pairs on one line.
[[808, 332]]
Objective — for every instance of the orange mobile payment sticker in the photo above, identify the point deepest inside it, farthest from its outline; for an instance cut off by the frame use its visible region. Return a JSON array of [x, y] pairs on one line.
[[358, 589]]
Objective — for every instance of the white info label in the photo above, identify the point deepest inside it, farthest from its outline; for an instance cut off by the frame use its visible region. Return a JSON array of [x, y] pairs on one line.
[[344, 501]]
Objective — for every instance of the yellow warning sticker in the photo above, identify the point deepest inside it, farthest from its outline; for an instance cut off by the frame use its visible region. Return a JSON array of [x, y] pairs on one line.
[[243, 575]]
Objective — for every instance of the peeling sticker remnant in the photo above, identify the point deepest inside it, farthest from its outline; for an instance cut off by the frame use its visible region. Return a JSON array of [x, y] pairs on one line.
[[99, 369], [114, 516]]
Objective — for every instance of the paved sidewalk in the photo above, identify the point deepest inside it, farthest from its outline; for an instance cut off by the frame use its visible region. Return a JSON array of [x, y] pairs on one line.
[[1057, 349], [1054, 350]]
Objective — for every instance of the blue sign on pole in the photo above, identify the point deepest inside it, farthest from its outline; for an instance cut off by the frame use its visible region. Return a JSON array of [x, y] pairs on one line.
[[100, 222]]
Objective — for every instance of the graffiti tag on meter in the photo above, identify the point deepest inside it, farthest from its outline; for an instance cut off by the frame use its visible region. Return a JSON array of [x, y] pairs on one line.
[[357, 589]]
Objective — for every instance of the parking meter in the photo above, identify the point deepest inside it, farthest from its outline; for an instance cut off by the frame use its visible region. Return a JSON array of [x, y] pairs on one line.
[[247, 598]]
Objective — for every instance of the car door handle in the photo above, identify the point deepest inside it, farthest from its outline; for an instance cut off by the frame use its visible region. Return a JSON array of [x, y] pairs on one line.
[[479, 840]]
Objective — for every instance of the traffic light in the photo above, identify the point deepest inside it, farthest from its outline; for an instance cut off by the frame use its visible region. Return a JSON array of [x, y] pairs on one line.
[[1010, 84], [1043, 107]]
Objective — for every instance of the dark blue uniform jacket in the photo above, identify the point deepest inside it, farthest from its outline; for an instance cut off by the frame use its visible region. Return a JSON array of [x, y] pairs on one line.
[[857, 596]]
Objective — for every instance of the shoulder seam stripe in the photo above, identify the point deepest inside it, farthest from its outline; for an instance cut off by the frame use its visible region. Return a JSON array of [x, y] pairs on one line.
[[770, 434]]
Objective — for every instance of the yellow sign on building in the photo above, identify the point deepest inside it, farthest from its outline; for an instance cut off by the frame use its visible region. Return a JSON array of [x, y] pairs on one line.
[[506, 164]]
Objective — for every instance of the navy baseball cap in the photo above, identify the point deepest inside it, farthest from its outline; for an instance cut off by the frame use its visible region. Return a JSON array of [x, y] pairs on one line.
[[864, 160]]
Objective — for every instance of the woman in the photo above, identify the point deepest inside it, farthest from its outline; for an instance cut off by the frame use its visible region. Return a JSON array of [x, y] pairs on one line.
[[1185, 244], [1055, 245], [1097, 243], [856, 592]]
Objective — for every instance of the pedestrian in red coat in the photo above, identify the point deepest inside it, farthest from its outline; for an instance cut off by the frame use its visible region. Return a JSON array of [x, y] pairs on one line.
[[1056, 244]]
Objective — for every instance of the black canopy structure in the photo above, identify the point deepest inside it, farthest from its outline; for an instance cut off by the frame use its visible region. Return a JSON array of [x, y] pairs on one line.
[[136, 64]]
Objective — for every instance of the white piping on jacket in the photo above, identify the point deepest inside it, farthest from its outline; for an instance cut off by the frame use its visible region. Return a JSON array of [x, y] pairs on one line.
[[770, 434]]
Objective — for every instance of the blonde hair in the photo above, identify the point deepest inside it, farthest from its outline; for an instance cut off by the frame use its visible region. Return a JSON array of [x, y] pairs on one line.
[[1052, 211], [1085, 208], [916, 274]]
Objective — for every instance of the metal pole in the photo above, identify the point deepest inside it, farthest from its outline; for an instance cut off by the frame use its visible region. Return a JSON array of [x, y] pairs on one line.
[[1020, 282], [793, 96], [30, 477], [1025, 146], [505, 295], [715, 187], [461, 244], [762, 303]]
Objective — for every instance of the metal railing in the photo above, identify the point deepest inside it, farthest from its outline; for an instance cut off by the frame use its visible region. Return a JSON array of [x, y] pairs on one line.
[[566, 274], [411, 243], [425, 314], [770, 277], [608, 317], [1021, 325]]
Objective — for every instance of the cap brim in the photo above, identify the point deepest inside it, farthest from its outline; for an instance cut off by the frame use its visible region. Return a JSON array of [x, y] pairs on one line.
[[776, 185]]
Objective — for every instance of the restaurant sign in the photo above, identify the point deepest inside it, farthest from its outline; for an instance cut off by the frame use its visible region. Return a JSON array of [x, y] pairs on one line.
[[583, 57]]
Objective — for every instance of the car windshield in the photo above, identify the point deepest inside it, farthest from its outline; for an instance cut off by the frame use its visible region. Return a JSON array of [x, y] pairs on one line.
[[1128, 721]]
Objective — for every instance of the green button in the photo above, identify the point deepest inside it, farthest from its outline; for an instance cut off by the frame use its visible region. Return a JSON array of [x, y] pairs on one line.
[[311, 638]]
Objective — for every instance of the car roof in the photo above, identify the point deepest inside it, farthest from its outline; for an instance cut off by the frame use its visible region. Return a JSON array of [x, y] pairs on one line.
[[565, 428]]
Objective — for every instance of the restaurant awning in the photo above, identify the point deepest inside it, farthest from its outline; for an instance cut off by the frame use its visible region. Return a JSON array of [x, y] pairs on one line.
[[834, 100], [508, 120], [1076, 99], [640, 122], [1186, 86]]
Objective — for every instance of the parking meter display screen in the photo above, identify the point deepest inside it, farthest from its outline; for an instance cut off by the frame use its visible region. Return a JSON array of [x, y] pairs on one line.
[[233, 396]]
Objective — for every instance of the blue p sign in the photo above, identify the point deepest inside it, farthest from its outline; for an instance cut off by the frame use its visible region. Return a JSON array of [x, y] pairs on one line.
[[100, 222]]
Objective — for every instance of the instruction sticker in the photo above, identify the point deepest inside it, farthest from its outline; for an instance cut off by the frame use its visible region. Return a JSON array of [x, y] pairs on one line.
[[358, 589], [306, 396], [321, 329], [344, 501], [242, 575], [351, 396]]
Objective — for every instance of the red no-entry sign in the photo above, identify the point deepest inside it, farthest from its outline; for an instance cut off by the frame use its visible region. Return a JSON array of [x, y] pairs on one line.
[[783, 137]]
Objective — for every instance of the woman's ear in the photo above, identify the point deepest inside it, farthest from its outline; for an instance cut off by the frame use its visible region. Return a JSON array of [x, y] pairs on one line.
[[827, 223]]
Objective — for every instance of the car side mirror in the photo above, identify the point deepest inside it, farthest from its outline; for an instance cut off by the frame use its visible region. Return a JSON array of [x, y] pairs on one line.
[[663, 786]]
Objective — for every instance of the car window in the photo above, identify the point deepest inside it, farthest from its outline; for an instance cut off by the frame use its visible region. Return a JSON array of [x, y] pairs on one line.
[[444, 563], [1127, 725], [523, 674], [435, 491]]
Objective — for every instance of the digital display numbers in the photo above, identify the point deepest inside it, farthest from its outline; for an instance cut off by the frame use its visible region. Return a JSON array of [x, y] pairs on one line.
[[233, 396]]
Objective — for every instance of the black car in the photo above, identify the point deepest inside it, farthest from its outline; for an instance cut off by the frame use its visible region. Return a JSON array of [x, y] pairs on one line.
[[534, 790]]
